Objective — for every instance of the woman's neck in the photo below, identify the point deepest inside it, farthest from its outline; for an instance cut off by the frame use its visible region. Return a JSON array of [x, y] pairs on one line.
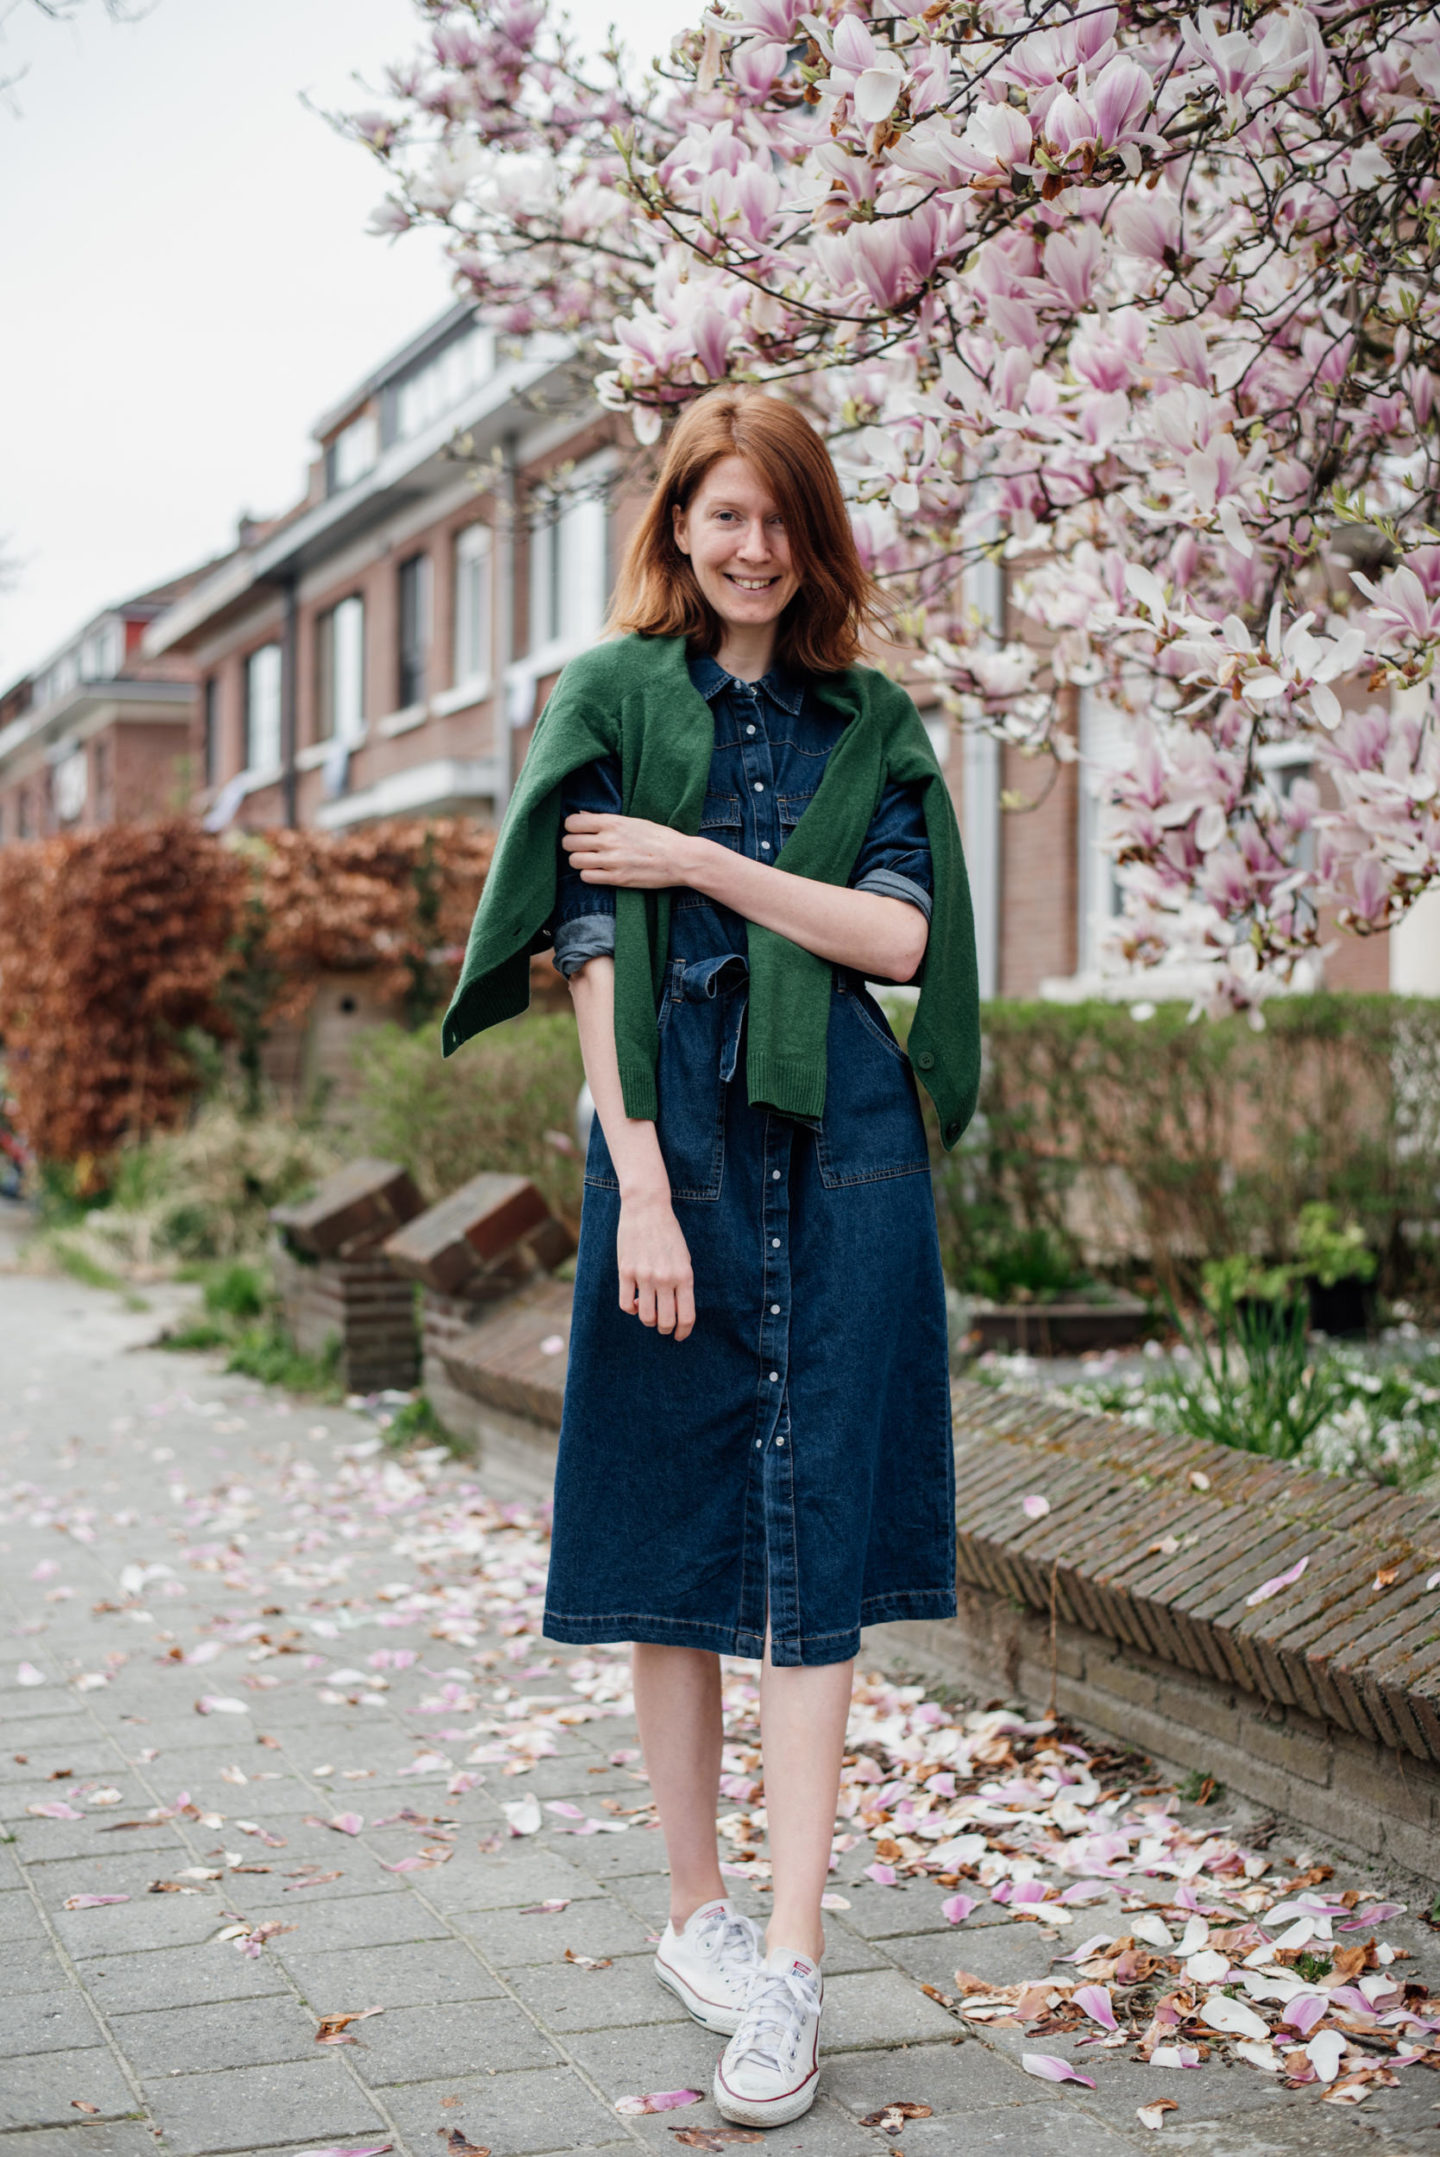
[[747, 652]]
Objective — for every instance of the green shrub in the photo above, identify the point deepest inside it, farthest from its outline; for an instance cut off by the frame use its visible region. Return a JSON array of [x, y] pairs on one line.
[[488, 1107]]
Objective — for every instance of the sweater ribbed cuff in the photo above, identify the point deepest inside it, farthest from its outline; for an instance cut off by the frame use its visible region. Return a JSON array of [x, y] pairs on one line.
[[638, 1091]]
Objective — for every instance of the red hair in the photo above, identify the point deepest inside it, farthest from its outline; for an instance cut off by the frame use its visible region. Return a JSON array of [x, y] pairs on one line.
[[657, 593]]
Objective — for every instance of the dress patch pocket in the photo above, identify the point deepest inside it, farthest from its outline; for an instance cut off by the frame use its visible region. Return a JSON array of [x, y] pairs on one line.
[[872, 1128]]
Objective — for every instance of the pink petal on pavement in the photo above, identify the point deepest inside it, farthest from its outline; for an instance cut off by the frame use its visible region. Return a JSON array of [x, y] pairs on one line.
[[347, 1823], [1303, 2012], [957, 1908], [217, 1704], [1087, 1947], [57, 1810], [1034, 1507], [563, 1805], [1094, 2001], [657, 2101], [1046, 2068], [91, 1902], [27, 1674], [1372, 1913], [1267, 1588], [882, 1875]]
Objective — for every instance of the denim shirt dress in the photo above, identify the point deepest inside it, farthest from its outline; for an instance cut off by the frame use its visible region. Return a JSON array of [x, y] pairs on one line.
[[790, 1463]]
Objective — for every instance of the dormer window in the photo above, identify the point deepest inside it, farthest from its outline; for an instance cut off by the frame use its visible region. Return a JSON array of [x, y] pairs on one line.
[[352, 453]]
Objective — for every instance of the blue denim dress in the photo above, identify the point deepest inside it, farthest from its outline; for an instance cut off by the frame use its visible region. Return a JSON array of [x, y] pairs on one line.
[[791, 1461]]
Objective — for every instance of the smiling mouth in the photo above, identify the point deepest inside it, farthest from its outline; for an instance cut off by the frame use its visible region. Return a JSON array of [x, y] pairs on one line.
[[750, 584]]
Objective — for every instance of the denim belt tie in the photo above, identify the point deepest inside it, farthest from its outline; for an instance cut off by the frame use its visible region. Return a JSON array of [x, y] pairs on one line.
[[702, 980]]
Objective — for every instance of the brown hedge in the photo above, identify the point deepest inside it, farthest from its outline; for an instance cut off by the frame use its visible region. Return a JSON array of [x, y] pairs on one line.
[[114, 943]]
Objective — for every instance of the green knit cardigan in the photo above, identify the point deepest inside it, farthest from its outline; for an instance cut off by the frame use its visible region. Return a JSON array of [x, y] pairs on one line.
[[633, 699]]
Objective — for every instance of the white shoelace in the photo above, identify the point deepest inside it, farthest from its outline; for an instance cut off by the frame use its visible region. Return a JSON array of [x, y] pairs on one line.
[[738, 1941], [776, 2010]]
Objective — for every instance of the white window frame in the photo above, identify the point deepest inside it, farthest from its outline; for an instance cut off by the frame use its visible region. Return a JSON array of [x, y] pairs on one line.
[[473, 642], [570, 563], [342, 676], [264, 705]]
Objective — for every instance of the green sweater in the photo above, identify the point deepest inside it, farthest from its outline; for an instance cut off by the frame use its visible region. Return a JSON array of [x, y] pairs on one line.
[[633, 699]]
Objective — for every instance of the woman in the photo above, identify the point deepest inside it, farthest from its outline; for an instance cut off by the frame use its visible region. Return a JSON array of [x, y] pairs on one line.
[[755, 1451]]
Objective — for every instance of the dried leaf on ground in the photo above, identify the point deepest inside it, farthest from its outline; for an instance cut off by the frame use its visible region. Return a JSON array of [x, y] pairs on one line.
[[588, 1962], [459, 2143], [891, 2118], [1153, 2114]]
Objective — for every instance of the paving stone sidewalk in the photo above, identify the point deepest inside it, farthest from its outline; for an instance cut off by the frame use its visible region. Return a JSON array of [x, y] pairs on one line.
[[129, 2027]]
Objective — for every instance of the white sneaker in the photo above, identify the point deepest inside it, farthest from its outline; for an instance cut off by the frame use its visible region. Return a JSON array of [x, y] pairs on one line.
[[769, 2071], [709, 1964]]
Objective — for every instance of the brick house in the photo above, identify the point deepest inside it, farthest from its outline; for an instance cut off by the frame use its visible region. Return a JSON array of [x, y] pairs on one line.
[[101, 731], [383, 648]]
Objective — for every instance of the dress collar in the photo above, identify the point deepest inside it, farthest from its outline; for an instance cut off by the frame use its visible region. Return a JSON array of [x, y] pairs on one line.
[[710, 678]]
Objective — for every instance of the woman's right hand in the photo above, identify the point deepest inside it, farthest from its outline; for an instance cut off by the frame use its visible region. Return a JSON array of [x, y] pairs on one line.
[[656, 1282]]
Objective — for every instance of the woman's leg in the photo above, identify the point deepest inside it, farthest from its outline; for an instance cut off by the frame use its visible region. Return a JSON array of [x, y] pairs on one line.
[[803, 1713], [677, 1706]]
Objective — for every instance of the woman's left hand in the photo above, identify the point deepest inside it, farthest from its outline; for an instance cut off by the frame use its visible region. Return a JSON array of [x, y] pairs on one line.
[[626, 850]]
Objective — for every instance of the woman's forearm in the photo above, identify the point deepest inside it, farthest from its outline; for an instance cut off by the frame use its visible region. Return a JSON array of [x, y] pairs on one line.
[[876, 935], [634, 1146]]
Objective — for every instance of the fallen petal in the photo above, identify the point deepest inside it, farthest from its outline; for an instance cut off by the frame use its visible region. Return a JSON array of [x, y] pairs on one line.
[[1046, 2068], [1267, 1588], [1153, 2114], [657, 2101]]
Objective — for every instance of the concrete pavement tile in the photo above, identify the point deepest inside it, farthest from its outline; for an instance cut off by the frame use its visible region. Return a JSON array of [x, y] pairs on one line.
[[612, 1857], [362, 1921], [178, 1977], [879, 2007], [567, 1998], [47, 2022], [823, 2131], [30, 1966], [419, 2044], [947, 2077], [1003, 1954], [16, 1798], [516, 2115], [1043, 2130], [409, 1976], [257, 2108], [478, 1880], [37, 1842], [509, 1940], [88, 2138], [65, 1724], [40, 2091], [19, 1918], [87, 1754], [1308, 2129], [880, 1913], [146, 1921], [236, 2033], [671, 2056]]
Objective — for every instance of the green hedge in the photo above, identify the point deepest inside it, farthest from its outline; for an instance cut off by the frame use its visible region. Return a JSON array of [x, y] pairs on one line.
[[1164, 1142]]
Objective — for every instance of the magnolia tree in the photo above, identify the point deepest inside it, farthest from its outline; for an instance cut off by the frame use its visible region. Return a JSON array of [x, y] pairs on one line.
[[1144, 297]]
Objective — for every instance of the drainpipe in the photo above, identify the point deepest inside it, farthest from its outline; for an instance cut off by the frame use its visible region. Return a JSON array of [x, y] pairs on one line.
[[289, 703], [506, 498]]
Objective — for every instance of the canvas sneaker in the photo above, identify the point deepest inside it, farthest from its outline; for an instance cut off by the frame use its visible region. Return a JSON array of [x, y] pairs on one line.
[[709, 1963], [769, 2071]]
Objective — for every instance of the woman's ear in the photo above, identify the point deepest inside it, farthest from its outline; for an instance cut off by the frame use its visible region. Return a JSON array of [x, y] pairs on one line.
[[678, 527]]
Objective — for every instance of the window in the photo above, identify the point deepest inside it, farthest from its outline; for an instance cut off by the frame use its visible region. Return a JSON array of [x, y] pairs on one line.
[[262, 709], [472, 604], [210, 741], [100, 654], [569, 562], [1104, 748], [22, 808], [104, 806], [442, 382], [69, 783], [353, 453], [340, 663], [414, 651]]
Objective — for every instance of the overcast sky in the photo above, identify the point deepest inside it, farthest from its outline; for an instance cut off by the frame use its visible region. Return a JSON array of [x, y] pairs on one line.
[[186, 282]]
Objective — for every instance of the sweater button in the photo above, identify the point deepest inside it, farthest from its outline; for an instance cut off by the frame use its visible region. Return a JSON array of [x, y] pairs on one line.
[[952, 1132], [926, 1059]]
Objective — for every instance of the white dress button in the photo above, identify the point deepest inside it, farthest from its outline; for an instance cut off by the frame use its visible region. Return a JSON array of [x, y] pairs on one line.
[[759, 786], [764, 846], [774, 1310], [774, 1243], [749, 729], [774, 1175], [774, 1378], [779, 1441]]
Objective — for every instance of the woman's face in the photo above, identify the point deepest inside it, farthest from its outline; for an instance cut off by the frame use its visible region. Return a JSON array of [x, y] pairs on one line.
[[738, 548]]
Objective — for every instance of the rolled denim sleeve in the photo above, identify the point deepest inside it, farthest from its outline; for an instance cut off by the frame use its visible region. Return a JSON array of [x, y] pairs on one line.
[[582, 926], [895, 856]]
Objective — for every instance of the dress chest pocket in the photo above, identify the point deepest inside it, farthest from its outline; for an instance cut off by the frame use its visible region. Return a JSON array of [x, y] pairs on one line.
[[872, 1128], [720, 820]]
